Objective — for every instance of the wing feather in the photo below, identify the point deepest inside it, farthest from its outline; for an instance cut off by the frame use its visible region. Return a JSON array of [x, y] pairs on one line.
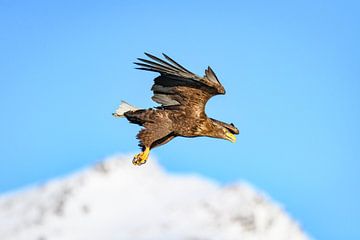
[[209, 73], [164, 99], [161, 61], [176, 64], [177, 86], [154, 64], [156, 68]]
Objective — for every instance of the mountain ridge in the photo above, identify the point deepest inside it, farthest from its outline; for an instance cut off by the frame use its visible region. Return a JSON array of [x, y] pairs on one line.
[[116, 200]]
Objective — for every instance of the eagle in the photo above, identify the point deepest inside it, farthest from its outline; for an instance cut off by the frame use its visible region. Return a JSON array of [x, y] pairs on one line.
[[182, 96]]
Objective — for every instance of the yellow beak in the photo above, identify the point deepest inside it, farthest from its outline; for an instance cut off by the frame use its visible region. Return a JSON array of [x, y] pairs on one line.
[[230, 137]]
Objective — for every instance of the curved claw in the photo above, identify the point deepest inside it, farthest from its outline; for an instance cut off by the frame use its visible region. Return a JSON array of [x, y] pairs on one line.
[[141, 158], [137, 160]]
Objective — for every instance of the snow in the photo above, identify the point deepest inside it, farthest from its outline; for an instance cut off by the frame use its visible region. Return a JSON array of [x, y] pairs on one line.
[[115, 200]]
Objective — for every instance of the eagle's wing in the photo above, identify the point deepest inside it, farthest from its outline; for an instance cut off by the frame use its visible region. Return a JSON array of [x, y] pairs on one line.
[[177, 87], [154, 134]]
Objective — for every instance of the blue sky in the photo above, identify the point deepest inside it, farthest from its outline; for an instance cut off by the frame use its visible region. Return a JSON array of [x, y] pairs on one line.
[[291, 70]]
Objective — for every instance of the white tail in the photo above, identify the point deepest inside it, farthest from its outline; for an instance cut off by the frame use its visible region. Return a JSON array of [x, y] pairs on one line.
[[123, 108]]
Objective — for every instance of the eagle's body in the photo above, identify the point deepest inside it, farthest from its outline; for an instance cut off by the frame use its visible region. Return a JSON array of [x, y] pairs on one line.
[[182, 96]]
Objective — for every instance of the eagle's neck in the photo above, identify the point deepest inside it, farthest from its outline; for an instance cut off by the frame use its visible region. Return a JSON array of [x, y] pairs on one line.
[[208, 128]]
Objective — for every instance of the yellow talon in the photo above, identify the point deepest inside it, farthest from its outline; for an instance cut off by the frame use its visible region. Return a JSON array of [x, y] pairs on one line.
[[141, 158]]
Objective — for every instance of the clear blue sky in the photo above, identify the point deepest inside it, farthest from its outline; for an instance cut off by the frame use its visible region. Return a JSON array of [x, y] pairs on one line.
[[291, 70]]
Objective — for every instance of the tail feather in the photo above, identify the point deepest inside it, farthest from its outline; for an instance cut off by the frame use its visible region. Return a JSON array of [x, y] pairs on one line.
[[123, 108]]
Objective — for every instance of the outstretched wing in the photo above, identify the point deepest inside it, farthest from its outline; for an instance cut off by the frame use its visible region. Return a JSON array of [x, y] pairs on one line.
[[177, 87]]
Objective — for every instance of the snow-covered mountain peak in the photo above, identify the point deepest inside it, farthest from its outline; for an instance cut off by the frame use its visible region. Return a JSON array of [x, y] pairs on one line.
[[115, 200]]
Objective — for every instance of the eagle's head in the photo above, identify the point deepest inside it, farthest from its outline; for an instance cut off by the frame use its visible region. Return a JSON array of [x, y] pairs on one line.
[[224, 130]]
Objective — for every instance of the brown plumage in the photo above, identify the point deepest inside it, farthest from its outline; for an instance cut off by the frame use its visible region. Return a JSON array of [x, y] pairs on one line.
[[182, 96]]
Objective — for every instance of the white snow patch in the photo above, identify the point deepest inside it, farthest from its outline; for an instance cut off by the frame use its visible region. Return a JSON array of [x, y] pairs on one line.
[[118, 201]]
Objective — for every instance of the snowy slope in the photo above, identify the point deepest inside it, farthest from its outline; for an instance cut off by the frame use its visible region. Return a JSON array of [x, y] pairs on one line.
[[118, 201]]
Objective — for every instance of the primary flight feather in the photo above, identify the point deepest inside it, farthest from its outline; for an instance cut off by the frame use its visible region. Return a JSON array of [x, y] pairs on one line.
[[182, 96]]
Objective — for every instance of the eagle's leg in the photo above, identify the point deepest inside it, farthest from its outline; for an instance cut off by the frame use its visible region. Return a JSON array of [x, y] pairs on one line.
[[141, 158]]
